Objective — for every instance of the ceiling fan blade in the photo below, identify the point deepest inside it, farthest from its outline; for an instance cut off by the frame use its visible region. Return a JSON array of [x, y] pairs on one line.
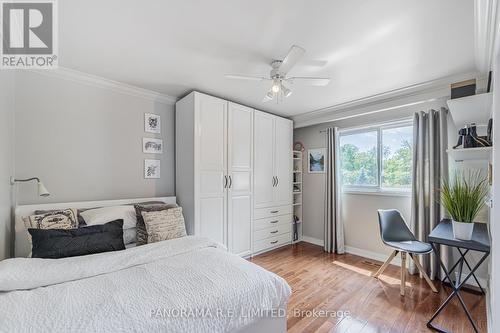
[[293, 56], [314, 63], [313, 81], [246, 77]]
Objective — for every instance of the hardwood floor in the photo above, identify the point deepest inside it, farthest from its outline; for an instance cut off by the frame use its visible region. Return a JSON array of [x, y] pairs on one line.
[[335, 283]]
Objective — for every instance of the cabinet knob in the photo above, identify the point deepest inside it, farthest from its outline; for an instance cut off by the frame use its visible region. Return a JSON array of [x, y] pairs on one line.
[[275, 221], [274, 242], [275, 231]]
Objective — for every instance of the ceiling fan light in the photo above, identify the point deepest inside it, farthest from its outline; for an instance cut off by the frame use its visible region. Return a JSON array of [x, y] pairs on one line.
[[276, 86], [269, 95]]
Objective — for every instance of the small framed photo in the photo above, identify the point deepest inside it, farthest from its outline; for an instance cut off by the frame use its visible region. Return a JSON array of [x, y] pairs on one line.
[[151, 169], [152, 146], [152, 123], [317, 160]]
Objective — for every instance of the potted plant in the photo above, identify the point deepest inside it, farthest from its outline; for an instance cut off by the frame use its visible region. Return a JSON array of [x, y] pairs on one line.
[[463, 198]]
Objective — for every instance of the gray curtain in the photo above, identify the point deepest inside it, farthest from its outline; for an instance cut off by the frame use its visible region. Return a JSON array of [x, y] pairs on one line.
[[430, 166], [334, 229]]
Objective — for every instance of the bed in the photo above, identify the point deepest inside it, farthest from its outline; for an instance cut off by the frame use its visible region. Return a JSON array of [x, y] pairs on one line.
[[189, 284]]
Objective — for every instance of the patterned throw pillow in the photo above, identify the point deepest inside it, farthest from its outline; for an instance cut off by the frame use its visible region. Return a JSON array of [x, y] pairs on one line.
[[142, 235], [57, 219], [54, 219], [164, 224]]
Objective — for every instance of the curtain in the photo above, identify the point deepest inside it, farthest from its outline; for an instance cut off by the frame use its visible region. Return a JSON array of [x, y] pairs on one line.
[[334, 229], [430, 167]]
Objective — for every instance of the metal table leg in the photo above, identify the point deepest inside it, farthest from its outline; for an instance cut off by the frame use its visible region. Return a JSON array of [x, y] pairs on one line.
[[456, 288], [468, 266]]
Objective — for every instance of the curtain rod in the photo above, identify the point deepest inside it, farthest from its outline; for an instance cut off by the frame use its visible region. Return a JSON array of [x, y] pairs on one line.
[[395, 121]]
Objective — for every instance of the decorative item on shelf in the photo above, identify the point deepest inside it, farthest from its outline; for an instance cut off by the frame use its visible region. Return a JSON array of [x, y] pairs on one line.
[[296, 188], [468, 138], [295, 228], [463, 88], [489, 132], [298, 146], [488, 87], [463, 198], [317, 160]]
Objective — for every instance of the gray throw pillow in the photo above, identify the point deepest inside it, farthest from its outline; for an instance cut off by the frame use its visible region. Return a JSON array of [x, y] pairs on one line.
[[142, 234]]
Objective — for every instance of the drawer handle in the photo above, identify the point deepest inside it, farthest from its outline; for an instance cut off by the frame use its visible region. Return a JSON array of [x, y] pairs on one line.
[[275, 231], [274, 242], [275, 221], [275, 211]]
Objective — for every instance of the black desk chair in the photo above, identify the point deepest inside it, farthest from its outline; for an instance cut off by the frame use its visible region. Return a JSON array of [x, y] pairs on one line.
[[395, 234]]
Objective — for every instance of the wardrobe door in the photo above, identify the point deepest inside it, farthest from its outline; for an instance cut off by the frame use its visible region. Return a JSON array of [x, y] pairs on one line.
[[211, 162], [240, 164], [264, 176], [283, 161]]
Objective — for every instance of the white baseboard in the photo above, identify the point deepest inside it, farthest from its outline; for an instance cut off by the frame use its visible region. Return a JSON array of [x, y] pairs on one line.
[[372, 255], [383, 257], [312, 240], [472, 282]]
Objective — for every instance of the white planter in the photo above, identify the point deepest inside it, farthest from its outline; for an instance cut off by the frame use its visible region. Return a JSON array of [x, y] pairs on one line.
[[462, 230]]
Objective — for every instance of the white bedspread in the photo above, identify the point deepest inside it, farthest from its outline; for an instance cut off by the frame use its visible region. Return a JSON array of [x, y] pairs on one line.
[[184, 285]]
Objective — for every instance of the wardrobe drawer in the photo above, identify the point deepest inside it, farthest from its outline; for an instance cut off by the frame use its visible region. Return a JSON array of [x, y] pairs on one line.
[[261, 213], [272, 222], [265, 244], [274, 231]]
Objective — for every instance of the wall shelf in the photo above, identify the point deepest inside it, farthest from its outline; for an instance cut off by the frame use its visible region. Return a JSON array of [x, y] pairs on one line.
[[297, 196], [469, 154], [471, 109]]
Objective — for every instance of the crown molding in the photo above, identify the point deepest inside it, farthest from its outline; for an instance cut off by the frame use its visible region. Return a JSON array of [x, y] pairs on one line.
[[485, 30], [415, 95], [100, 82]]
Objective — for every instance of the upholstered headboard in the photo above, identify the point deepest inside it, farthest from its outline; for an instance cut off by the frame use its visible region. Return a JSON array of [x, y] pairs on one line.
[[22, 245]]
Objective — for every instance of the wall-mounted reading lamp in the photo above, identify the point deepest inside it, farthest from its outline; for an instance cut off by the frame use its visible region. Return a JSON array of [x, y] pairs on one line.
[[42, 190]]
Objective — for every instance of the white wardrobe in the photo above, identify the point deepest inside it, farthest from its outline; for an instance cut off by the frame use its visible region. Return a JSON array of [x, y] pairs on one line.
[[215, 160], [273, 177]]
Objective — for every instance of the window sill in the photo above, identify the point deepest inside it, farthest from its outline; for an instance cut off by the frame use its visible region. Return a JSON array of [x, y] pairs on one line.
[[387, 193]]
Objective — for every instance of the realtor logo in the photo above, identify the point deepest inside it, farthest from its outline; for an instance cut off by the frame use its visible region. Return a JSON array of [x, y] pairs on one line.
[[29, 34]]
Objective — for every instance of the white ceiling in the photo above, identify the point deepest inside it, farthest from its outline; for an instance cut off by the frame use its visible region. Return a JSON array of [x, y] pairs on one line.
[[174, 47]]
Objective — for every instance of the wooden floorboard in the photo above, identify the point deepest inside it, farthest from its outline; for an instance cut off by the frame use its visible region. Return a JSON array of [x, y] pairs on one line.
[[342, 283]]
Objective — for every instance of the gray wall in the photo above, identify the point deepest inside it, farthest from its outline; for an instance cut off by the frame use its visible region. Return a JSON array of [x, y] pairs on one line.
[[6, 159], [85, 141], [359, 211]]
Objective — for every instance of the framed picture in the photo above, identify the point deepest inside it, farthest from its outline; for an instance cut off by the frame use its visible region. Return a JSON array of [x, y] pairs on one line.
[[151, 169], [152, 123], [152, 146], [317, 160]]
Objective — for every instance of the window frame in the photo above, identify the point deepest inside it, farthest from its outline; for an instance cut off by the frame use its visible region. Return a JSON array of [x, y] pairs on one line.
[[376, 189]]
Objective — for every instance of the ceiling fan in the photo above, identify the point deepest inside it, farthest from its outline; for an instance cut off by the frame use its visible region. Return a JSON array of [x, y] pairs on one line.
[[278, 76]]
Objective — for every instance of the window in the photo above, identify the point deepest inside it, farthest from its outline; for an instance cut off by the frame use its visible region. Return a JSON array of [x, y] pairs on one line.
[[377, 158]]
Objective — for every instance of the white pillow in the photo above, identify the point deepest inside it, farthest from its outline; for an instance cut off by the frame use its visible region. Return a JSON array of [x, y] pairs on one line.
[[108, 214], [129, 236]]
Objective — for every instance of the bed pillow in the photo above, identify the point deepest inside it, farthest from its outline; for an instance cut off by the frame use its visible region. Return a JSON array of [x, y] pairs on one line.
[[142, 235], [106, 214], [164, 224], [55, 219], [62, 243], [130, 236]]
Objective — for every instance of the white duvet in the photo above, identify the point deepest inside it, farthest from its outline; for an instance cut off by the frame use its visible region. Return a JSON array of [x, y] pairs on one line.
[[184, 285]]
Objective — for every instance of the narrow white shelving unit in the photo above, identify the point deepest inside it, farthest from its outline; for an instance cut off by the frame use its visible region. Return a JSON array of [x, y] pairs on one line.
[[470, 154], [297, 196], [475, 108]]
